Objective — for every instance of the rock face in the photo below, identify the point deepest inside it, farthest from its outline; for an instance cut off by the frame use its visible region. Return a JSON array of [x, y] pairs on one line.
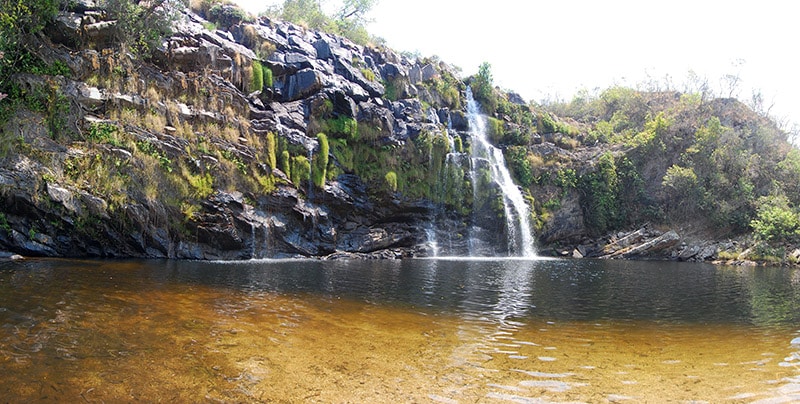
[[55, 211]]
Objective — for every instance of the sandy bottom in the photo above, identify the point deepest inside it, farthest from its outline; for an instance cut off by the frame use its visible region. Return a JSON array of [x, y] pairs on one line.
[[196, 344]]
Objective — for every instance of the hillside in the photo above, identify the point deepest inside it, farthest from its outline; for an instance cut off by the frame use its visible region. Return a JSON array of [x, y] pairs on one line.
[[236, 138]]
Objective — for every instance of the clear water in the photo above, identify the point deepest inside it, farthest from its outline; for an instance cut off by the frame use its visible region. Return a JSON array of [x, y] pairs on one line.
[[454, 330]]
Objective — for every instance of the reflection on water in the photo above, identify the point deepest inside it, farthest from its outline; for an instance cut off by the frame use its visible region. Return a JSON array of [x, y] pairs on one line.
[[398, 331]]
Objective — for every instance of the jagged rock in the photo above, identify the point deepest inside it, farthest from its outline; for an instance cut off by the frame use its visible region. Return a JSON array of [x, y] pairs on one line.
[[301, 85], [342, 104], [322, 47], [66, 29], [352, 74]]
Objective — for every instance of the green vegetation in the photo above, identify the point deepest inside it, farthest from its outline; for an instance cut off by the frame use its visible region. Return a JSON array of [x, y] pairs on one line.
[[483, 88], [141, 25], [267, 78], [286, 164], [776, 220], [257, 82], [391, 180], [342, 127], [600, 191], [301, 170], [320, 166], [684, 158]]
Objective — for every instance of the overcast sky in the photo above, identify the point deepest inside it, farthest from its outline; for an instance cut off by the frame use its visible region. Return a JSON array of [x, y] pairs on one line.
[[553, 48]]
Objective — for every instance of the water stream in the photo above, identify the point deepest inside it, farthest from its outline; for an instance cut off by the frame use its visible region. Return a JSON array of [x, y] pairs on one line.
[[517, 213]]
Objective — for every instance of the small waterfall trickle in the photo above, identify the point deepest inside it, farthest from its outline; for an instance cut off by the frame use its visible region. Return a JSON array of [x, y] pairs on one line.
[[516, 211], [447, 163]]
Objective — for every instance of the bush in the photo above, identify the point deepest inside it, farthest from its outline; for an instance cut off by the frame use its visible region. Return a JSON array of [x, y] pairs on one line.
[[343, 126], [272, 146], [776, 221], [517, 157]]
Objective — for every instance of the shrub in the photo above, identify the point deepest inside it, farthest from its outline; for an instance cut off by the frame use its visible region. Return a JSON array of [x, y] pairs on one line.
[[517, 157], [343, 126], [495, 129], [600, 190], [775, 220]]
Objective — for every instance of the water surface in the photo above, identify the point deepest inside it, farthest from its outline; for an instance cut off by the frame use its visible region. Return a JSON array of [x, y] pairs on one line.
[[491, 330]]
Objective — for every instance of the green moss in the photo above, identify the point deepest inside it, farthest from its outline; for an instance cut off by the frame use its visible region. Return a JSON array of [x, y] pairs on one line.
[[272, 146], [267, 76], [257, 82], [320, 161], [391, 180], [342, 127], [459, 146], [301, 170], [368, 74], [286, 163]]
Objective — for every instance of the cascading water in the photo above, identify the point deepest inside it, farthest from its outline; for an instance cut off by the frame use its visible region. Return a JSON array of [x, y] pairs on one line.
[[517, 214]]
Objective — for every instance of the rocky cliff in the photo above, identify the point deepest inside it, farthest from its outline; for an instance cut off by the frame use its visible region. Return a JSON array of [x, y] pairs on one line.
[[192, 155]]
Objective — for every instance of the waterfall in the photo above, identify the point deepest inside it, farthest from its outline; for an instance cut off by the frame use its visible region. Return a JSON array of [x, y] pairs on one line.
[[517, 214]]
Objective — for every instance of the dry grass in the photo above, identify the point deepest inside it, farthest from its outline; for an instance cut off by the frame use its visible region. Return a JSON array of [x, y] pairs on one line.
[[153, 95], [153, 121]]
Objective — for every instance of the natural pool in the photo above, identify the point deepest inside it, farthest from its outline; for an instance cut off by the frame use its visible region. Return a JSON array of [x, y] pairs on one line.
[[446, 330]]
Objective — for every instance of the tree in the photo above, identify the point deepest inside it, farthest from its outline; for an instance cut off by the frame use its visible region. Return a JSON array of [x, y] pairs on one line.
[[483, 88], [349, 20], [356, 10], [19, 19]]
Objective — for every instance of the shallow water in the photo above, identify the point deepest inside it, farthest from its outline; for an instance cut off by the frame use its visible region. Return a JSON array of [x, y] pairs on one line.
[[398, 331]]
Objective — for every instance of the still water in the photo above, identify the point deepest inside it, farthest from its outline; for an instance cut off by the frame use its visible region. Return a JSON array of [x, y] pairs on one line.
[[447, 331]]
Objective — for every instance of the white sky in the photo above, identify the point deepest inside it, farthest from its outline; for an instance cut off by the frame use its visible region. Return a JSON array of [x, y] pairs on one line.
[[553, 48]]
